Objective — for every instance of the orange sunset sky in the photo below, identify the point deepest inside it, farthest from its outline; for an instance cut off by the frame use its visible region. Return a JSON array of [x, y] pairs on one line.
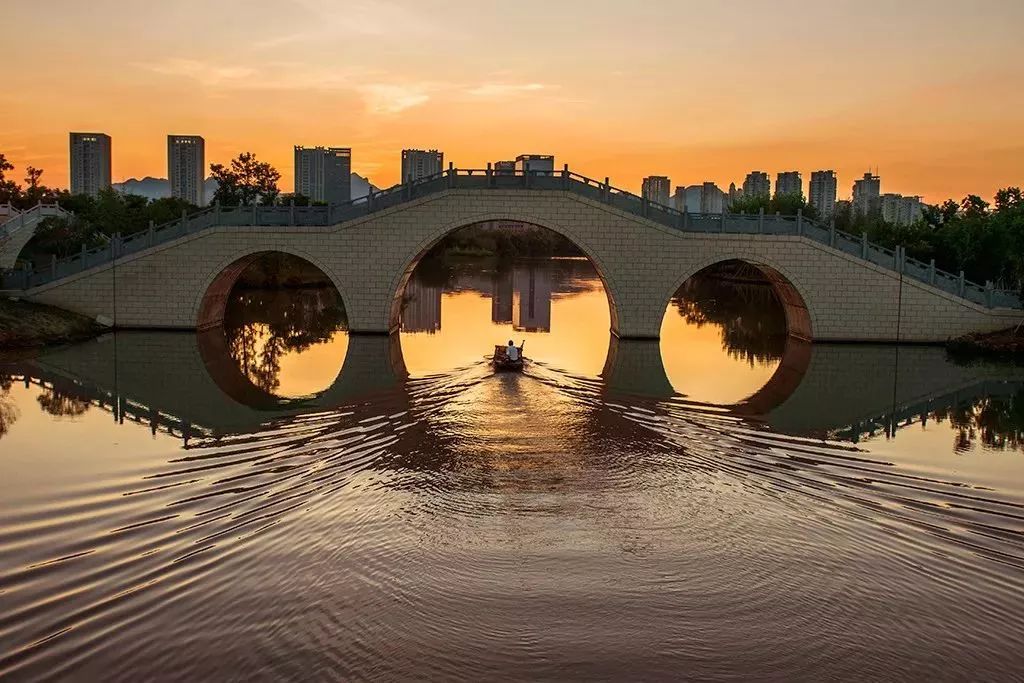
[[931, 93]]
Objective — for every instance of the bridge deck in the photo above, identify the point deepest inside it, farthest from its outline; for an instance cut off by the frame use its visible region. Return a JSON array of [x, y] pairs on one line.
[[487, 179]]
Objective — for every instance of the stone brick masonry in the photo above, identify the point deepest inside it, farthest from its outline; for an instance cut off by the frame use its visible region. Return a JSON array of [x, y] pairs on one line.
[[176, 284]]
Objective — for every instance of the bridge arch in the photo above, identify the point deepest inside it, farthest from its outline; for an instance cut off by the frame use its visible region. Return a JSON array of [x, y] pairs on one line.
[[211, 301], [800, 318], [434, 237]]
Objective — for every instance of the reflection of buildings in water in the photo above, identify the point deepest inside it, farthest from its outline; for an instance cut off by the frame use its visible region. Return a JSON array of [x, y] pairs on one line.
[[531, 300], [421, 308], [501, 298]]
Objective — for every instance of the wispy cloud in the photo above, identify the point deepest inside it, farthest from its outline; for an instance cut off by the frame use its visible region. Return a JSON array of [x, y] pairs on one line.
[[502, 90], [205, 73], [387, 98]]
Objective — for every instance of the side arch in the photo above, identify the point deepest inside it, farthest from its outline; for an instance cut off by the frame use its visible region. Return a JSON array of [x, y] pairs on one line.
[[215, 288], [398, 283], [800, 318]]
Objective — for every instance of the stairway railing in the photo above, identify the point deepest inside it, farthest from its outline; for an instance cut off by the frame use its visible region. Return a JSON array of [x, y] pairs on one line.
[[491, 179]]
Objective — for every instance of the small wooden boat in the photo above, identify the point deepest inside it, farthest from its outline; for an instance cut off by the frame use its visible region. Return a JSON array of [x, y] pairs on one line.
[[502, 363]]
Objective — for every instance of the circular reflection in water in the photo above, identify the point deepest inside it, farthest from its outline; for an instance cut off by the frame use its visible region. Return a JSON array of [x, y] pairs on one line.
[[285, 327], [456, 309], [724, 334]]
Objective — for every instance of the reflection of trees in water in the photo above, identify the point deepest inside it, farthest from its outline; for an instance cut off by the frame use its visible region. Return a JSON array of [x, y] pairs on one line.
[[8, 411], [996, 422], [736, 297], [262, 325], [476, 274], [56, 402]]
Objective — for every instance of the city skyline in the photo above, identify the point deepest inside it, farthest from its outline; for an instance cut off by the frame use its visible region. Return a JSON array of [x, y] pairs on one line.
[[755, 182], [929, 109]]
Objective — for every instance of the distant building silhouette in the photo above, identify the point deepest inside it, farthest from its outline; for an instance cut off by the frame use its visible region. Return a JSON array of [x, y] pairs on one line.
[[822, 192], [866, 193], [757, 184], [531, 307], [734, 193], [421, 307], [504, 167], [712, 199], [789, 183], [656, 188], [535, 163], [90, 163], [900, 210], [418, 163], [186, 161], [324, 173], [704, 198]]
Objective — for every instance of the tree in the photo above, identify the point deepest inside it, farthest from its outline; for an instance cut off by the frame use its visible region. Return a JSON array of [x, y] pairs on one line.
[[10, 191], [63, 236], [247, 181]]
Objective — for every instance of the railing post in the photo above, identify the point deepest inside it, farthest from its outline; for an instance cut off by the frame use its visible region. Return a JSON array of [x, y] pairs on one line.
[[799, 221], [291, 212], [760, 220], [864, 245], [565, 177], [931, 272], [961, 284]]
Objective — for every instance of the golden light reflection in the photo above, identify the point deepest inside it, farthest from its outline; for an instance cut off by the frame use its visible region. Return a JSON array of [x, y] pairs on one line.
[[577, 342], [698, 365], [287, 372]]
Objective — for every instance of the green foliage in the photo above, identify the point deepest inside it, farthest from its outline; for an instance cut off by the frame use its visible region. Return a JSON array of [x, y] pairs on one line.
[[62, 236], [984, 240], [511, 241], [786, 204], [12, 193], [246, 181]]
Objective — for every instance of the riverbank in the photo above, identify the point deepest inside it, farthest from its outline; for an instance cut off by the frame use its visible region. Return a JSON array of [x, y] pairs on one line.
[[1005, 344], [25, 325]]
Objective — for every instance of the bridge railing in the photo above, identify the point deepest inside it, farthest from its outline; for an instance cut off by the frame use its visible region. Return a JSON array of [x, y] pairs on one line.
[[489, 178]]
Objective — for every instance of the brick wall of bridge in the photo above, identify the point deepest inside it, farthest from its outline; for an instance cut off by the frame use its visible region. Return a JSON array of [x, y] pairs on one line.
[[641, 262]]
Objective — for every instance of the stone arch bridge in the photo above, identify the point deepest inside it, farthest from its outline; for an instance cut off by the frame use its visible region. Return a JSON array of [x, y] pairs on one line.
[[833, 286]]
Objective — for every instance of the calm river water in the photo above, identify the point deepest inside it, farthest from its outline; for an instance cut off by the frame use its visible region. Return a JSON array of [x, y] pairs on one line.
[[282, 500]]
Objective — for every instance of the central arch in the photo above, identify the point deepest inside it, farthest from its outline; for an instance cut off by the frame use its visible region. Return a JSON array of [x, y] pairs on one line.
[[400, 281]]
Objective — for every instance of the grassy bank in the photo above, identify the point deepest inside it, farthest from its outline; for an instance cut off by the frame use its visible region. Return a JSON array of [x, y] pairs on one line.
[[1005, 344], [25, 325]]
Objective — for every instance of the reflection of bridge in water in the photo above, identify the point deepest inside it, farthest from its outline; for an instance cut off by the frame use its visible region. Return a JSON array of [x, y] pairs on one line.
[[187, 385], [842, 390]]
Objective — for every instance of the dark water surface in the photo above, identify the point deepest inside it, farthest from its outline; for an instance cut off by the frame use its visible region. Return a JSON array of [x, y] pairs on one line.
[[286, 501]]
